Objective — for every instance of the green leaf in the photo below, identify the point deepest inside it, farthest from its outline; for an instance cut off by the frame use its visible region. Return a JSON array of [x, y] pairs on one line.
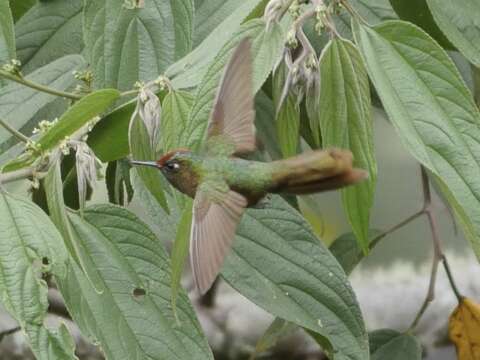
[[458, 20], [431, 109], [20, 7], [276, 251], [347, 251], [392, 345], [78, 115], [180, 252], [132, 318], [19, 104], [7, 35], [266, 50], [417, 12], [109, 137], [127, 45], [265, 125], [48, 31], [277, 330], [287, 115], [345, 121], [176, 108], [189, 71], [141, 149], [58, 214], [117, 180], [31, 246], [212, 13], [373, 11]]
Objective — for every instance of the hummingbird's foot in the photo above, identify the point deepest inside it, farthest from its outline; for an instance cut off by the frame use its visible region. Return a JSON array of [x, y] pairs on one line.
[[263, 202]]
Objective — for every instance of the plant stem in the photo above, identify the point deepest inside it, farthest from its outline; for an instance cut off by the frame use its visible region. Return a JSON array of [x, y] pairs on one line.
[[42, 88], [9, 332], [129, 92], [16, 175], [450, 279], [396, 227], [438, 255], [353, 13], [14, 131]]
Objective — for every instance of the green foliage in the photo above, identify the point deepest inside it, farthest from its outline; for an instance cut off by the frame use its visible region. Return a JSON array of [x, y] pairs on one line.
[[7, 36], [390, 344], [345, 121], [19, 104], [135, 272], [48, 31], [463, 29], [442, 137], [301, 281], [31, 247], [151, 73]]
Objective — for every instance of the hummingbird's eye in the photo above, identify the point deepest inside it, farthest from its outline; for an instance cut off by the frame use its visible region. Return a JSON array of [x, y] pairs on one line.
[[172, 166]]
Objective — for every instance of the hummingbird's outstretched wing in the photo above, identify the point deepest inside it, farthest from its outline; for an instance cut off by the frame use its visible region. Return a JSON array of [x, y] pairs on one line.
[[231, 128], [216, 213]]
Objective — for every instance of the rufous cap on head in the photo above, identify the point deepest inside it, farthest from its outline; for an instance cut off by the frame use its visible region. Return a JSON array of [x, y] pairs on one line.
[[161, 162]]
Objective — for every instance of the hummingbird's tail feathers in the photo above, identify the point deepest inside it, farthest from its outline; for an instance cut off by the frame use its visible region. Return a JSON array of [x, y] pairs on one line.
[[316, 171]]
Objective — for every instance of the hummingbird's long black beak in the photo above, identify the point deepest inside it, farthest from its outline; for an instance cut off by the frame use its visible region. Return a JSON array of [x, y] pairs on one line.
[[144, 163]]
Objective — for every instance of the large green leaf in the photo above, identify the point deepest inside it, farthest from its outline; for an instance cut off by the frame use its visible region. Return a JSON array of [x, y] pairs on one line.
[[78, 115], [20, 7], [48, 31], [212, 13], [7, 37], [347, 251], [431, 109], [373, 11], [279, 264], [265, 125], [460, 21], [417, 12], [30, 247], [392, 345], [132, 318], [142, 149], [75, 118], [266, 49], [109, 137], [19, 104], [126, 45], [287, 114], [176, 108], [189, 71], [345, 121]]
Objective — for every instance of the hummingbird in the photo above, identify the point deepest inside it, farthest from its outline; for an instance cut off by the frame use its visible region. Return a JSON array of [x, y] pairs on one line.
[[223, 184]]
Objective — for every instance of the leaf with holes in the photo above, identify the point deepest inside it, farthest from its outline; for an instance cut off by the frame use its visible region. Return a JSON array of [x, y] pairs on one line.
[[301, 282], [127, 45], [135, 271], [345, 121], [431, 109], [31, 246], [48, 31]]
